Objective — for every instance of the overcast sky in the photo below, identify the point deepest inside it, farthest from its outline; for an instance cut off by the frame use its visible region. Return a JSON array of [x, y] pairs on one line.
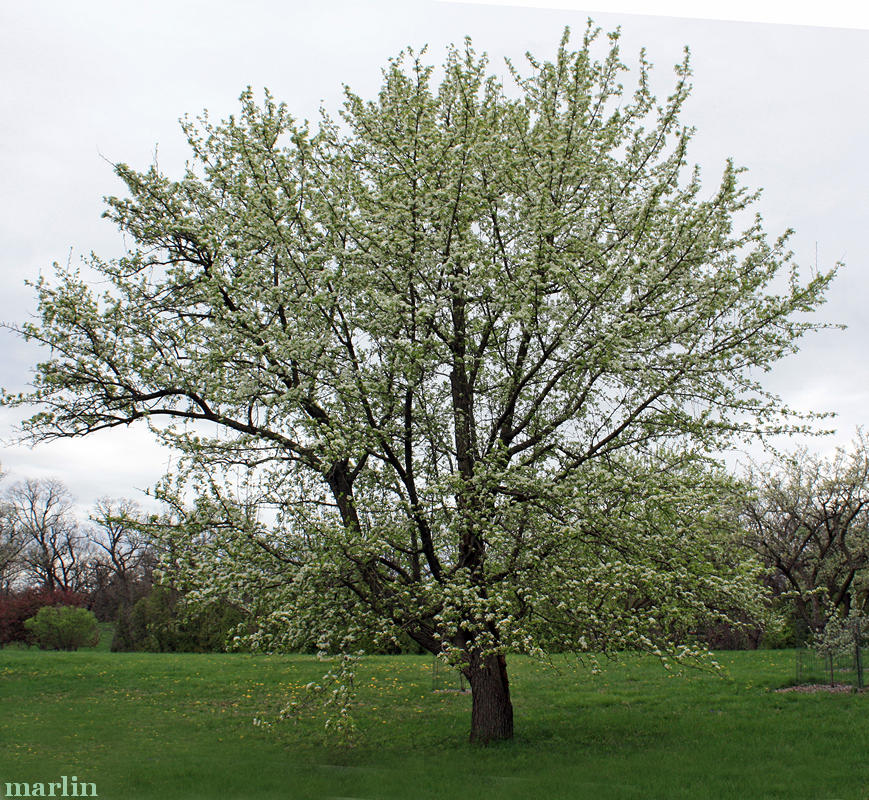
[[90, 83]]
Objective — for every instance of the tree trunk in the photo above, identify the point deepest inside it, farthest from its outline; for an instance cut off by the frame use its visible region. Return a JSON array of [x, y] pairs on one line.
[[492, 711]]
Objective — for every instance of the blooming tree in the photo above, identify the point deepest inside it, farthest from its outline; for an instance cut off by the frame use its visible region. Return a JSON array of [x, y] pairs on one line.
[[807, 519], [469, 342]]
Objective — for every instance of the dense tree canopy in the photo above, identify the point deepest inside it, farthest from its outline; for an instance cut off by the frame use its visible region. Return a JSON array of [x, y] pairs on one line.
[[470, 343]]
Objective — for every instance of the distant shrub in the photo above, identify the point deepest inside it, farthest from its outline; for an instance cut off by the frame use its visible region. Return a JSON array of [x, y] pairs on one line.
[[790, 631], [17, 607], [164, 622], [63, 628]]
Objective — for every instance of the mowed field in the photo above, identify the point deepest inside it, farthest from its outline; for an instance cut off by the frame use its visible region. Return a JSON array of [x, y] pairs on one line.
[[181, 726]]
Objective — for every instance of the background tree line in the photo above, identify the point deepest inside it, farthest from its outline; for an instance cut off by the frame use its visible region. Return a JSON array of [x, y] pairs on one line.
[[106, 565], [43, 546], [805, 519]]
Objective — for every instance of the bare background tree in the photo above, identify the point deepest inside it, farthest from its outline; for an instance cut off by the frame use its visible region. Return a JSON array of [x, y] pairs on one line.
[[10, 547], [122, 560], [53, 551]]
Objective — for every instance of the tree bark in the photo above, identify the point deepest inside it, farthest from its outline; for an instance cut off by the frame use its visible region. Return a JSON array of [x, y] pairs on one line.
[[492, 711]]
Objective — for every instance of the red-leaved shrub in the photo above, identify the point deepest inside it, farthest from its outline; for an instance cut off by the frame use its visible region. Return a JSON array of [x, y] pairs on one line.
[[19, 606]]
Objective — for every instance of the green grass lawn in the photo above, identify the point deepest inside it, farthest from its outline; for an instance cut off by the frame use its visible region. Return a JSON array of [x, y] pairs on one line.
[[180, 726]]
